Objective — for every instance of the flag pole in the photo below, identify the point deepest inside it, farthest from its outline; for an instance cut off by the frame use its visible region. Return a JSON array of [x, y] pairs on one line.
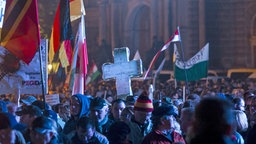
[[183, 60], [158, 72], [42, 77]]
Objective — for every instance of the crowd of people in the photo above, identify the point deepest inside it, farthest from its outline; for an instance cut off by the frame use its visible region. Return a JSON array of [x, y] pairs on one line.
[[221, 111]]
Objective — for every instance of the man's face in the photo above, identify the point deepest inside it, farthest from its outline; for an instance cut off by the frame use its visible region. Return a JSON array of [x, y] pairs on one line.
[[168, 122], [27, 119], [117, 109], [75, 106], [84, 135], [40, 138], [142, 117], [99, 114]]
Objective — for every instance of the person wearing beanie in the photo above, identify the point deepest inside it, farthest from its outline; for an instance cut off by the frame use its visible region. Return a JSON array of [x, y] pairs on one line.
[[163, 131], [140, 123]]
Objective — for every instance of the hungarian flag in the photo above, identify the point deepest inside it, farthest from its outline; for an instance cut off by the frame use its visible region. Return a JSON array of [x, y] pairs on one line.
[[61, 35], [20, 33], [174, 38], [93, 73], [193, 69]]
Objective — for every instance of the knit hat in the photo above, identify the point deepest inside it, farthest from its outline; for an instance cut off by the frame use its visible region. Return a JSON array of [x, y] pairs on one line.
[[143, 103]]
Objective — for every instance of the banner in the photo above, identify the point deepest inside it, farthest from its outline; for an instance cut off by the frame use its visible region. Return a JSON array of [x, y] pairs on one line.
[[28, 78], [193, 69]]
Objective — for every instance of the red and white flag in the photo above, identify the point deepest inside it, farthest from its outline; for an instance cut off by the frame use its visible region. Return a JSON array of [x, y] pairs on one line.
[[174, 38], [82, 58]]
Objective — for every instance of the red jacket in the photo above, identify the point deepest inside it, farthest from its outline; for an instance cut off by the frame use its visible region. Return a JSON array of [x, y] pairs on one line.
[[157, 137]]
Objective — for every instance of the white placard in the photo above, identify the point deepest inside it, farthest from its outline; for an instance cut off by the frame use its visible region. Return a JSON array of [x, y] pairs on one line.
[[52, 99]]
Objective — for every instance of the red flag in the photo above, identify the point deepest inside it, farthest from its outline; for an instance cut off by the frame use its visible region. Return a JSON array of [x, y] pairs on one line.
[[174, 38], [61, 34], [20, 33]]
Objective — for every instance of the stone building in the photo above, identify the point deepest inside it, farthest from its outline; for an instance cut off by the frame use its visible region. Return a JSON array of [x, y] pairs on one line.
[[228, 25]]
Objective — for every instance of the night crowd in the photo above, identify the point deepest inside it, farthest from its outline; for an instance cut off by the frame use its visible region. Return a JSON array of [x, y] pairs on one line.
[[214, 111]]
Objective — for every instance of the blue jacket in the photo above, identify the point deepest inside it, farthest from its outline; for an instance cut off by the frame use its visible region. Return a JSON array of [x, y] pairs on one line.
[[85, 110]]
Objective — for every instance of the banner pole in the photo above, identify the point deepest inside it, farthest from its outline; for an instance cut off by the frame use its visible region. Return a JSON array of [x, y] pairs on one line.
[[41, 74], [184, 64]]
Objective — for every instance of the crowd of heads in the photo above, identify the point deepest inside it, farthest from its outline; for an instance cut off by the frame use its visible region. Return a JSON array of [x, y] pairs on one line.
[[208, 112]]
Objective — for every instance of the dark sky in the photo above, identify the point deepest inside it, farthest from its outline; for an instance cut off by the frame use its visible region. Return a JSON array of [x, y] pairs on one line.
[[46, 11]]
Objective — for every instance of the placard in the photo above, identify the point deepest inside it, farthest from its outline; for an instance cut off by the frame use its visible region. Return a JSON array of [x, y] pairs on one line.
[[52, 99]]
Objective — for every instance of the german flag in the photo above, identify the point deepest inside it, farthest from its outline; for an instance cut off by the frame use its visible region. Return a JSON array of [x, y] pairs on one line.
[[61, 35]]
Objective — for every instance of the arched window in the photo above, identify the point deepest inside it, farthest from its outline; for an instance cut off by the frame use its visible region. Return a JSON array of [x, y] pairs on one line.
[[139, 30]]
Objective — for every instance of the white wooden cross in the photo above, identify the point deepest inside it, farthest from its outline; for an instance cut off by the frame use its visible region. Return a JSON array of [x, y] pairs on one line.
[[122, 70]]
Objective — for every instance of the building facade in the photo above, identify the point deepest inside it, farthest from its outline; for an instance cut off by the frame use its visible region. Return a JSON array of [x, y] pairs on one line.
[[228, 25]]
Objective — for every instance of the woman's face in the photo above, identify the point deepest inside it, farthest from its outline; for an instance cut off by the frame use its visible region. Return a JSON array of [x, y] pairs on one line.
[[75, 106]]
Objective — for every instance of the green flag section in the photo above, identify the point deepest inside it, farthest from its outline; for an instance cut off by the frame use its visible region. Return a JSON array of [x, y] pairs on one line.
[[93, 74], [195, 68]]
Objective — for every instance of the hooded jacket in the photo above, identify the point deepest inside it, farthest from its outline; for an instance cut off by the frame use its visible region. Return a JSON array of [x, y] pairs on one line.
[[85, 110]]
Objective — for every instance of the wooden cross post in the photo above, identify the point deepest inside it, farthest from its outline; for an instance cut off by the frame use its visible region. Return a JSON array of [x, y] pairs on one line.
[[122, 70]]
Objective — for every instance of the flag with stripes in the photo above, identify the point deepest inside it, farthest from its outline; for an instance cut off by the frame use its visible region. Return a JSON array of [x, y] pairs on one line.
[[61, 35], [20, 34], [174, 38], [93, 74]]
